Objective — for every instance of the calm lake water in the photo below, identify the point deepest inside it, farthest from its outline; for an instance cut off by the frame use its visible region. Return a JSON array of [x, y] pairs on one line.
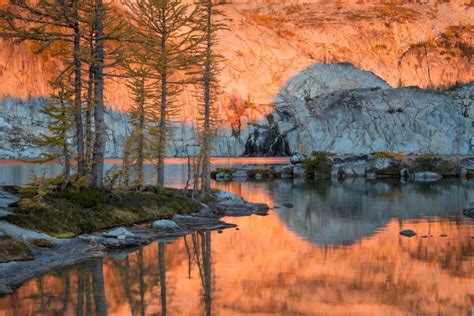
[[338, 251]]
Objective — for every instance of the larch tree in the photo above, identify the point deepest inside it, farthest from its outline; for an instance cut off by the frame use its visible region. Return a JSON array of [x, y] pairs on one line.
[[48, 23], [167, 30], [210, 23], [141, 112], [61, 122]]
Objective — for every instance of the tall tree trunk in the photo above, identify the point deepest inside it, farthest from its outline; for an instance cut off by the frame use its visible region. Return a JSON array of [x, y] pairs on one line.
[[141, 136], [206, 164], [162, 126], [100, 137], [88, 125], [78, 91]]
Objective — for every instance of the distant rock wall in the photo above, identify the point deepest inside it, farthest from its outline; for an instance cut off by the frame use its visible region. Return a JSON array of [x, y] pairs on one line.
[[330, 107], [21, 122]]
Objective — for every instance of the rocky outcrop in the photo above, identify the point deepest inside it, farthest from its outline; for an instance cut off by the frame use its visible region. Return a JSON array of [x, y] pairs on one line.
[[408, 120], [340, 109]]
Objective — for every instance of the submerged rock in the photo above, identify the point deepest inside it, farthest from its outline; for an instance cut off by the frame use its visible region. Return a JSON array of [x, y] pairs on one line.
[[408, 233], [469, 210], [288, 205], [426, 176], [122, 243], [165, 224], [229, 204]]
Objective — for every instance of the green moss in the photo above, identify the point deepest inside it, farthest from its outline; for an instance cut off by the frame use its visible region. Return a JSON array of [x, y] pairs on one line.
[[225, 170], [389, 154], [319, 162], [12, 250], [63, 235], [208, 199], [64, 214]]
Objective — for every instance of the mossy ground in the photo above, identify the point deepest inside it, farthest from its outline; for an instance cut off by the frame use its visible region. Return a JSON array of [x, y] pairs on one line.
[[66, 214], [11, 250]]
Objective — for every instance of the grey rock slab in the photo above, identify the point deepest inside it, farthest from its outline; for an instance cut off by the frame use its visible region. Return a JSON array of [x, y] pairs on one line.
[[117, 232], [165, 224]]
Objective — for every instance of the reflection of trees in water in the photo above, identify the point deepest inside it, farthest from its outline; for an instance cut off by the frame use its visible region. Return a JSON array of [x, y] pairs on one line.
[[133, 275], [45, 299], [162, 269], [199, 253]]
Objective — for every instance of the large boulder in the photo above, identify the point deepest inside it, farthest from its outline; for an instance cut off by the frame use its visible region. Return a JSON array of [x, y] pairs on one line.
[[296, 158], [365, 120]]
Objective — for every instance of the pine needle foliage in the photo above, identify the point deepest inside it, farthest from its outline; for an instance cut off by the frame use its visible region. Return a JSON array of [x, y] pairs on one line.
[[166, 29]]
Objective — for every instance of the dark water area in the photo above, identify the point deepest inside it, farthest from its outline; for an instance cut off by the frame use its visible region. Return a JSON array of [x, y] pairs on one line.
[[337, 251]]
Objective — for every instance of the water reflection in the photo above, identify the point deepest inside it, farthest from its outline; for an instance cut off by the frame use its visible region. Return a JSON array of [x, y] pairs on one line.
[[335, 212], [338, 251]]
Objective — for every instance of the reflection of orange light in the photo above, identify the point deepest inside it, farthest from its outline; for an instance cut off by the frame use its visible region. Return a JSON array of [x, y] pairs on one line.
[[264, 268]]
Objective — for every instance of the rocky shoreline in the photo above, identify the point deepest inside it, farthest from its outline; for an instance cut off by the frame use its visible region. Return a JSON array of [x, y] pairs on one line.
[[371, 166], [60, 253]]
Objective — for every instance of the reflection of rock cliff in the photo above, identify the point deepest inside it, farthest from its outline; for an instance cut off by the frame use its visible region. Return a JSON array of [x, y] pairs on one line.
[[344, 212]]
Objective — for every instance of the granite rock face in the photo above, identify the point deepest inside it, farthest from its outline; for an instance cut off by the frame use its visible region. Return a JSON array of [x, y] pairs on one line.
[[341, 109], [327, 107], [21, 122]]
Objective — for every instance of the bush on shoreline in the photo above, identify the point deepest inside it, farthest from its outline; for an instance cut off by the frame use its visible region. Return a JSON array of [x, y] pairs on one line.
[[319, 163]]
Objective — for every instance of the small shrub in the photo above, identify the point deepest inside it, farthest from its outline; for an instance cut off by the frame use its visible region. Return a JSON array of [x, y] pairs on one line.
[[319, 162], [427, 162]]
